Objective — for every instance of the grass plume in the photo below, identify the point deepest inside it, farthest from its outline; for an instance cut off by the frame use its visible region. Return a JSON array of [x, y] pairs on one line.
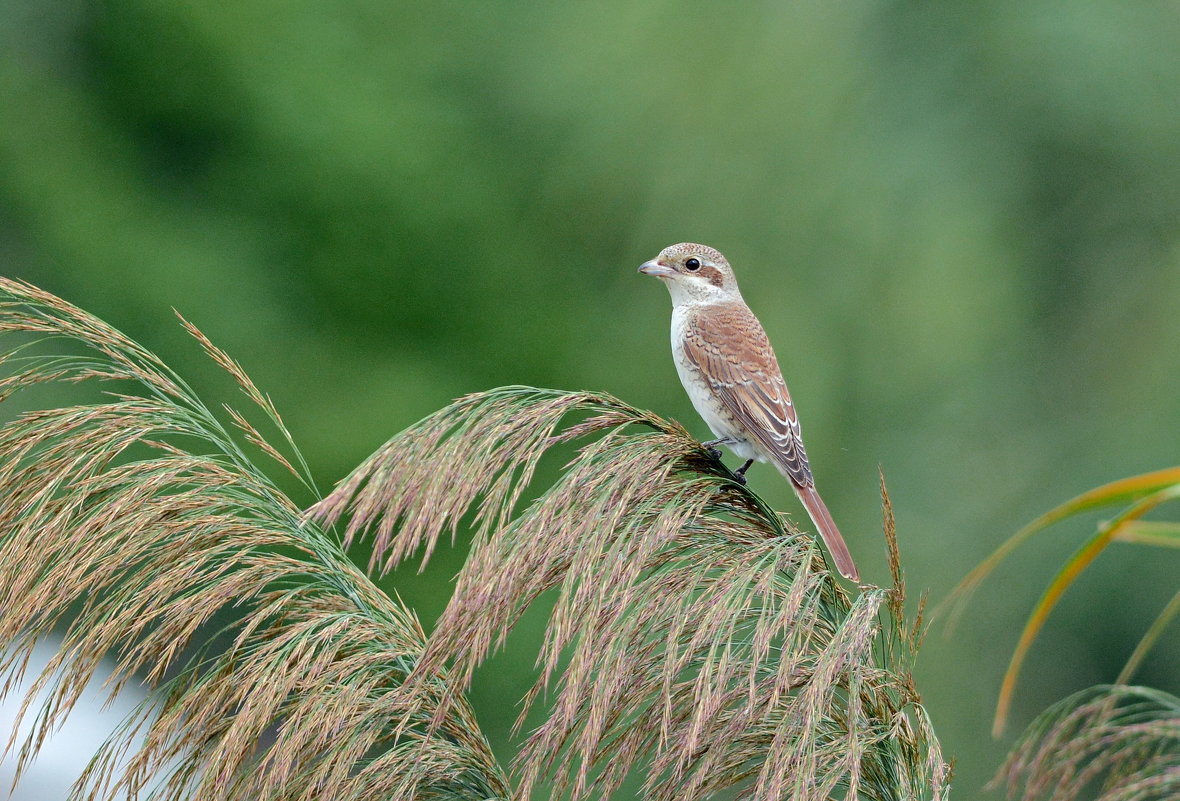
[[1118, 742], [697, 638], [129, 524], [698, 641]]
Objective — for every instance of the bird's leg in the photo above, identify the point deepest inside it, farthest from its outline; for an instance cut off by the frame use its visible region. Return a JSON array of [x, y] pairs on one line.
[[740, 473], [711, 448]]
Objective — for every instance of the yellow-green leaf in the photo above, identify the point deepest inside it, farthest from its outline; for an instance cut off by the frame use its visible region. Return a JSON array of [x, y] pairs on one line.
[[1163, 533], [1076, 564], [1116, 492]]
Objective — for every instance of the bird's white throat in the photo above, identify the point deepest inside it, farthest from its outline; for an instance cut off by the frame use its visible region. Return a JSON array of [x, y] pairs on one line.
[[687, 290]]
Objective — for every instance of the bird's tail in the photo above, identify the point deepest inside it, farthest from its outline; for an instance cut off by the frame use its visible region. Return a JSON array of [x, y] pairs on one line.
[[827, 528]]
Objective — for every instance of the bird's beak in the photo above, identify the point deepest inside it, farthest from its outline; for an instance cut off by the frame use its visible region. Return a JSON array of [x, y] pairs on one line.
[[656, 269]]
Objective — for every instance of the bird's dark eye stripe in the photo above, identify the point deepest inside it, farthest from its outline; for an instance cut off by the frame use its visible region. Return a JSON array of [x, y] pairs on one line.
[[693, 264]]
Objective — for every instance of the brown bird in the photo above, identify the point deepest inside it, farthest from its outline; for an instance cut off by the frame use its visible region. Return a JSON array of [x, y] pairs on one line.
[[733, 379]]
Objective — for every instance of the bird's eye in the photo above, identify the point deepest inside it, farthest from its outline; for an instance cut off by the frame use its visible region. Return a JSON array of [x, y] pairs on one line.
[[693, 265]]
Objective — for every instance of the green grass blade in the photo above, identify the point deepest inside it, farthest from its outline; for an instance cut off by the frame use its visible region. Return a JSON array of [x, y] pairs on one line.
[[1057, 587], [1166, 616], [1159, 533], [1116, 492]]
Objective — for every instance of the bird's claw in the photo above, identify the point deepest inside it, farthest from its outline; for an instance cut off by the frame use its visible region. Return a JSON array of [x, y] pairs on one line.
[[711, 449], [740, 473]]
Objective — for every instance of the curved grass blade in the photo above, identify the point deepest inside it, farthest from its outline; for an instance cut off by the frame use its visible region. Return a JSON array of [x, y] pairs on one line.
[[1160, 533], [1116, 492], [1085, 555], [1153, 633]]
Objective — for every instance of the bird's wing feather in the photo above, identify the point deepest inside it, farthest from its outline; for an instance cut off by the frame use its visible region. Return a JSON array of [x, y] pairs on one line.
[[729, 347]]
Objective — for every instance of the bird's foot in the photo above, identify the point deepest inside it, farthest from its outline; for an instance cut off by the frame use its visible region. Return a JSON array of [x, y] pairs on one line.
[[711, 447], [740, 473]]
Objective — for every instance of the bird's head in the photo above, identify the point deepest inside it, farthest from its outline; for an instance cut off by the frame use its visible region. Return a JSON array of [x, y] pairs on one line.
[[694, 274]]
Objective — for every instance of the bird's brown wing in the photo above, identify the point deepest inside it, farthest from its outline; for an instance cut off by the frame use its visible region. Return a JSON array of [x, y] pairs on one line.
[[727, 344], [729, 347]]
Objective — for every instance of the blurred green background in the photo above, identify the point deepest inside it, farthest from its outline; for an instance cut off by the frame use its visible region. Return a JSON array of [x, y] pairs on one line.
[[959, 222]]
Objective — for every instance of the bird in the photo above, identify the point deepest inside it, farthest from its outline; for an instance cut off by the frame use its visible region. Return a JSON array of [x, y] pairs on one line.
[[729, 370]]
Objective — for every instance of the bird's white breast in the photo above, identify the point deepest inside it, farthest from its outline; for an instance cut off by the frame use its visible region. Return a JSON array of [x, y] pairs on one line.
[[704, 398]]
